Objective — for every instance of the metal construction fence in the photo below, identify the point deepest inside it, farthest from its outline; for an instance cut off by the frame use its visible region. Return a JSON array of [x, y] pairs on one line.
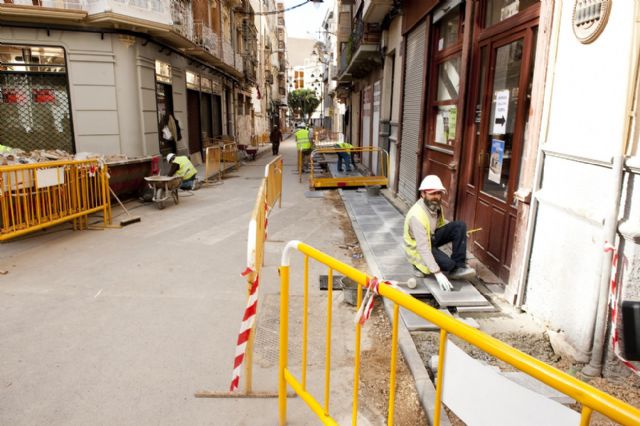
[[378, 157], [273, 176], [40, 195], [588, 396]]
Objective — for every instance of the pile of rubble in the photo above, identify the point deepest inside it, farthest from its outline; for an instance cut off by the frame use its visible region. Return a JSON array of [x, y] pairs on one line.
[[18, 156]]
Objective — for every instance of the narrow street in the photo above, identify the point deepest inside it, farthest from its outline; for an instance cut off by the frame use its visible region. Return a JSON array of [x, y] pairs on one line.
[[123, 326]]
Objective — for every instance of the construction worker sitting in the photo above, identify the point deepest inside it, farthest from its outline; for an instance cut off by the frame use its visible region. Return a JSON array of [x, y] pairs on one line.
[[425, 230], [182, 166], [303, 144], [344, 156]]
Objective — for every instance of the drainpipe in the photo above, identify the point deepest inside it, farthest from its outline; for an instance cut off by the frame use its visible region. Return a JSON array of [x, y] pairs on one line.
[[594, 368], [537, 179]]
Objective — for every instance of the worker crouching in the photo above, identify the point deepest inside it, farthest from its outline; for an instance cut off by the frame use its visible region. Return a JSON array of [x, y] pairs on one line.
[[180, 165], [425, 231]]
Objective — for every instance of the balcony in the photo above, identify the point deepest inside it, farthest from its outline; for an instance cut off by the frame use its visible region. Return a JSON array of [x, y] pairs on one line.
[[129, 13], [250, 69], [239, 62], [47, 11], [228, 55], [361, 54], [374, 11], [205, 38], [182, 19]]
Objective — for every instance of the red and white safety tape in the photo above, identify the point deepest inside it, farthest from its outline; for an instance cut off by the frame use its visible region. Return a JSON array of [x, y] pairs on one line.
[[613, 304], [364, 312], [245, 329]]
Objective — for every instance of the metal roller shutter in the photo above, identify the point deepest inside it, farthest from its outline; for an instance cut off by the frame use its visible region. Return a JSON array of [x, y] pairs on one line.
[[411, 119]]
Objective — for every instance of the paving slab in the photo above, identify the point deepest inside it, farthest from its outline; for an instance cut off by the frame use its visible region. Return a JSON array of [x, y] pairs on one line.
[[417, 323], [372, 237], [369, 218], [323, 281], [386, 249], [463, 294]]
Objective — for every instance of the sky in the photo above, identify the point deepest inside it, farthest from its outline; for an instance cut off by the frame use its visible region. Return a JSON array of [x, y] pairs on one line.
[[305, 21]]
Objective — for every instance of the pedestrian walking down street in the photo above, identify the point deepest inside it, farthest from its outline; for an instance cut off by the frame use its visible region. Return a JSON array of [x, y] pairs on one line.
[[275, 137], [425, 230]]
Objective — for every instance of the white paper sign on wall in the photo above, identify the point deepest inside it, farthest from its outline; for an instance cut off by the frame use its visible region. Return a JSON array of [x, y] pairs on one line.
[[501, 112]]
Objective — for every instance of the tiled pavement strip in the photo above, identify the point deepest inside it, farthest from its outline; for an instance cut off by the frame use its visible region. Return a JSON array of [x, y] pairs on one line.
[[390, 264]]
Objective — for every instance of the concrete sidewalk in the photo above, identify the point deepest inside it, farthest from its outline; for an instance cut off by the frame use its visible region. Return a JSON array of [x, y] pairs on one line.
[[123, 326]]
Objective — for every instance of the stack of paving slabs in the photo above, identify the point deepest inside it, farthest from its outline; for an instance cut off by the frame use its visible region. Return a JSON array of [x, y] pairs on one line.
[[379, 226]]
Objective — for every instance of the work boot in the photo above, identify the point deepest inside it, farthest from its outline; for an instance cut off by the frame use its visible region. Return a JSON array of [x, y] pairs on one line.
[[462, 273]]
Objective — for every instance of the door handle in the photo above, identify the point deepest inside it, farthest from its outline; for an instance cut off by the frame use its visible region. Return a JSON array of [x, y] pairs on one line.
[[452, 166]]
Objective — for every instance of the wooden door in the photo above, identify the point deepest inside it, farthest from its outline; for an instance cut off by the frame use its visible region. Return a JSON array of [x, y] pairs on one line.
[[193, 118], [497, 125]]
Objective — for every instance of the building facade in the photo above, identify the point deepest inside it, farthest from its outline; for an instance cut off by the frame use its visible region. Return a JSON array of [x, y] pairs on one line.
[[104, 76], [493, 99]]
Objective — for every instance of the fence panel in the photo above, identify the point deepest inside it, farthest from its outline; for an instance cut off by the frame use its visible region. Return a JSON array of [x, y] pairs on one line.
[[591, 398], [273, 175], [213, 162], [37, 196]]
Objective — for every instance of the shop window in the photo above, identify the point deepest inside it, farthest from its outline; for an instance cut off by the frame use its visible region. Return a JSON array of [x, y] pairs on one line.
[[34, 98], [499, 10], [163, 72]]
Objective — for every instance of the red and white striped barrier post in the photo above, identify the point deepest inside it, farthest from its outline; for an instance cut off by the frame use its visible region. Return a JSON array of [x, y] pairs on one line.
[[613, 304]]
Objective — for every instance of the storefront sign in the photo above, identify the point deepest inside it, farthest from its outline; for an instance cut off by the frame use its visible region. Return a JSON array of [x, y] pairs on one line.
[[501, 112], [495, 160]]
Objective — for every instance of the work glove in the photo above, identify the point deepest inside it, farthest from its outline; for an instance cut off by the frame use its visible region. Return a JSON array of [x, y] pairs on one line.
[[443, 282]]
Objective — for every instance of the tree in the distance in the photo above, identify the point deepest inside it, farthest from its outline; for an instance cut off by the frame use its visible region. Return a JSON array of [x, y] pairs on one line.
[[303, 102]]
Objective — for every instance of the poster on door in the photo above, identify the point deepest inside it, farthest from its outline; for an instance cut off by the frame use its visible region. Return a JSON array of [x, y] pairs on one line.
[[501, 112], [495, 160]]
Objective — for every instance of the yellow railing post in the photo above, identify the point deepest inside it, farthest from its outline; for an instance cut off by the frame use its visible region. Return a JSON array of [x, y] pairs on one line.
[[441, 355], [392, 367], [305, 322], [327, 373], [284, 344], [356, 362]]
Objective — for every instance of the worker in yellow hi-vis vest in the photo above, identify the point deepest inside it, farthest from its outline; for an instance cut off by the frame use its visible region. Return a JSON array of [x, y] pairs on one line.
[[425, 231], [303, 143], [345, 156], [182, 166]]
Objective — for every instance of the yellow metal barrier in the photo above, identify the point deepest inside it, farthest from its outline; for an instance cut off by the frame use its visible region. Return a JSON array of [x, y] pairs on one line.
[[273, 175], [229, 155], [37, 196], [381, 178], [591, 398], [213, 162]]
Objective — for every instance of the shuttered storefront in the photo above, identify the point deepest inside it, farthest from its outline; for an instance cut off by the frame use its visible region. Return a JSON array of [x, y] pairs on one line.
[[411, 118]]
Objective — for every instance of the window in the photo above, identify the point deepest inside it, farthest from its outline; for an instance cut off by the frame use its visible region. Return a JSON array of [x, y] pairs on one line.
[[443, 97], [163, 72], [240, 104], [34, 98], [499, 10]]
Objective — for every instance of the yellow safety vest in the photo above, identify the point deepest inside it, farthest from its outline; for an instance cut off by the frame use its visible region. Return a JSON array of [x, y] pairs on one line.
[[345, 145], [410, 249], [186, 170], [302, 139]]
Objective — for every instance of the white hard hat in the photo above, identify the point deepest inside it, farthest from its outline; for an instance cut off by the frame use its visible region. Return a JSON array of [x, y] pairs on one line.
[[432, 183], [170, 157]]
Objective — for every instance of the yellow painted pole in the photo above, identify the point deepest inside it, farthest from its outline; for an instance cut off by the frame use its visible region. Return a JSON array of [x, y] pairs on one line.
[[585, 416], [392, 367], [284, 335], [305, 322], [441, 355], [356, 369], [327, 373]]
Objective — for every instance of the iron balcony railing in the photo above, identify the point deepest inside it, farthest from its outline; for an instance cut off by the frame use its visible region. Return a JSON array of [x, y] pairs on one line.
[[239, 62], [182, 18], [206, 38], [228, 55]]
